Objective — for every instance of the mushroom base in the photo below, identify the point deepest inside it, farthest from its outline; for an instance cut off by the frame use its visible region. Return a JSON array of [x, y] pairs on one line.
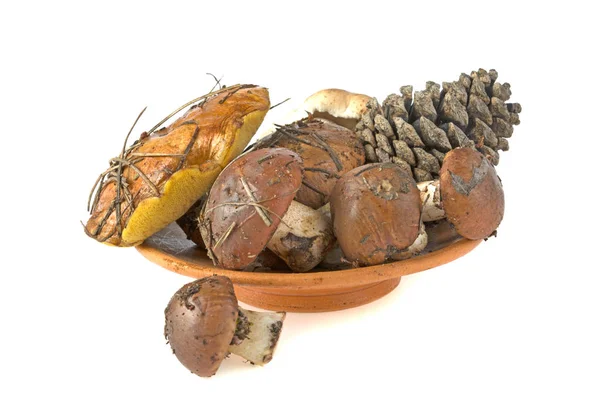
[[431, 201], [302, 238], [261, 332]]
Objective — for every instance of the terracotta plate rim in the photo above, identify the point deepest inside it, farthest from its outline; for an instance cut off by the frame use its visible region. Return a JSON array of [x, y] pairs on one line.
[[350, 277]]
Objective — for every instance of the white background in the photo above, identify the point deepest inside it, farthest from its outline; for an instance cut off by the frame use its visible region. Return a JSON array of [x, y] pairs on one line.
[[515, 319]]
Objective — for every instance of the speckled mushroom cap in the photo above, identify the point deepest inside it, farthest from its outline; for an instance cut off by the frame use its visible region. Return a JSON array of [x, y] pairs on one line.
[[376, 211], [246, 204], [472, 194], [200, 322], [328, 150]]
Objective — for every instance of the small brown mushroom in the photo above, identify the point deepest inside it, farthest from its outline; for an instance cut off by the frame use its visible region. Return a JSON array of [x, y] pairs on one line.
[[190, 225], [328, 151], [251, 207], [472, 194], [376, 212], [203, 324]]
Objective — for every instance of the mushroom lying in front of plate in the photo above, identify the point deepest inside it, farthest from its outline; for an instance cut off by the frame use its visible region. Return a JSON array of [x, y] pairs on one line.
[[251, 206], [376, 212], [203, 324], [469, 194]]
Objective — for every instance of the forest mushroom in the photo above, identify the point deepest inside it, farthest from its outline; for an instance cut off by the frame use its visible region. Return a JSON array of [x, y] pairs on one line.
[[189, 224], [471, 193], [156, 180], [337, 105], [376, 211], [203, 324], [251, 206], [328, 151]]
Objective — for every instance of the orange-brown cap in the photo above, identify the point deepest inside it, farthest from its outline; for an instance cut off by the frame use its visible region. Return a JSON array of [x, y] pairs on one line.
[[156, 180], [376, 211], [246, 204], [472, 194], [200, 323]]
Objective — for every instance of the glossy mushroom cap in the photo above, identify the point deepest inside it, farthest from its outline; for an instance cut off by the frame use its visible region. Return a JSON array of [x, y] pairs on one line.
[[200, 323], [376, 211], [472, 194], [246, 204], [328, 151], [163, 174]]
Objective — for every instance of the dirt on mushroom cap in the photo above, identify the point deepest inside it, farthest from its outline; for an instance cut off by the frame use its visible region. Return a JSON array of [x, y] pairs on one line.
[[200, 322], [163, 174], [246, 204]]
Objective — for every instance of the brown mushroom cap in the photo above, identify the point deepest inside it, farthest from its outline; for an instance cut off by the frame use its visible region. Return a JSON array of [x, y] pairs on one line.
[[376, 211], [328, 151], [472, 193], [246, 204], [200, 322]]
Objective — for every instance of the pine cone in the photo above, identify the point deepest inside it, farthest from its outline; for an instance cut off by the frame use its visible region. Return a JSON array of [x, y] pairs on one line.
[[416, 130]]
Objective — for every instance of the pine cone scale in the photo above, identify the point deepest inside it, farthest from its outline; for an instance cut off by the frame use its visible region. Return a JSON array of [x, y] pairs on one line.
[[415, 129]]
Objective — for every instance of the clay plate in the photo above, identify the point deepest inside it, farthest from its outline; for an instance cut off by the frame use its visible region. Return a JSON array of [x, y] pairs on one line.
[[304, 292]]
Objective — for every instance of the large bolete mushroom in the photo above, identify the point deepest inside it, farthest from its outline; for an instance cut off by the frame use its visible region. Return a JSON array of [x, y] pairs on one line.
[[376, 211], [328, 151], [251, 207], [158, 178], [203, 324]]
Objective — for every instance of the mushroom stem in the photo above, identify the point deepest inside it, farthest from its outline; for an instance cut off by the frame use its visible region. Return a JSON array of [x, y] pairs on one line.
[[302, 238], [256, 335], [326, 210], [431, 200]]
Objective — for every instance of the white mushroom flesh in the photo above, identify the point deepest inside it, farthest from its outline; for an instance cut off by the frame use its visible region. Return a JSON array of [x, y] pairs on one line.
[[430, 199], [260, 342], [302, 238], [337, 105]]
